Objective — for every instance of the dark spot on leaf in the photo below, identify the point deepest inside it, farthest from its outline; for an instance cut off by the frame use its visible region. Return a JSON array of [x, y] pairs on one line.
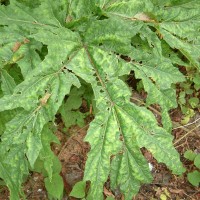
[[103, 17], [126, 58]]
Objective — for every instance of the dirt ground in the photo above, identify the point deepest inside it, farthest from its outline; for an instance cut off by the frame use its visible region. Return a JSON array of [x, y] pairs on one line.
[[73, 154]]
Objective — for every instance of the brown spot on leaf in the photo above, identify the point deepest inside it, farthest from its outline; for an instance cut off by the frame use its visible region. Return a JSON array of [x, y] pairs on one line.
[[44, 99], [26, 41], [16, 46]]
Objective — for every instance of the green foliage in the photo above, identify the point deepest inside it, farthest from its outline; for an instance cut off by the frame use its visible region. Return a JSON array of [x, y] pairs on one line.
[[70, 109], [54, 186], [109, 198], [78, 190], [190, 155], [52, 46], [188, 99], [194, 176]]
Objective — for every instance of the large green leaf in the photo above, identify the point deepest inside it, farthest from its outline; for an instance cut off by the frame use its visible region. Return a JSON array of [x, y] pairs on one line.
[[166, 98], [116, 120], [48, 13], [178, 28], [116, 36], [127, 9], [54, 186], [7, 82], [13, 173]]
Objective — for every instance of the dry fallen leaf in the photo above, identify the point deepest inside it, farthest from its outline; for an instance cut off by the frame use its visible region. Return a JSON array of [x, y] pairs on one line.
[[176, 191], [107, 192]]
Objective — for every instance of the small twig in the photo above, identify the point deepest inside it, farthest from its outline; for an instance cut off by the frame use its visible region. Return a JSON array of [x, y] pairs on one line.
[[77, 142], [181, 127], [196, 192], [158, 113], [161, 184], [189, 132], [187, 124], [66, 143], [187, 195]]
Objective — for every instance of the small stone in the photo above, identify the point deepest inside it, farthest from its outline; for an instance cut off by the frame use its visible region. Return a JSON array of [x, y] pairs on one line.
[[150, 167], [35, 178]]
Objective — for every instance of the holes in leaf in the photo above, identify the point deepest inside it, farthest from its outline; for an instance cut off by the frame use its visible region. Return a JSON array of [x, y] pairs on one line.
[[153, 29], [132, 81], [43, 52], [142, 127], [126, 58], [64, 69], [103, 17], [24, 128], [121, 138], [19, 92], [96, 78], [106, 79], [5, 3], [136, 40], [152, 45], [101, 91]]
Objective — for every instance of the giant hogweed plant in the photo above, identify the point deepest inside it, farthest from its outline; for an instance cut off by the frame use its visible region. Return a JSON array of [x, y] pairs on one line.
[[47, 47]]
